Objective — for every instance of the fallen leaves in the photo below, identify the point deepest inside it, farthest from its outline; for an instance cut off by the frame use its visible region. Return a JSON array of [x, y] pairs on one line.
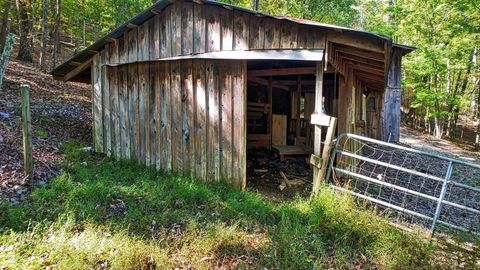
[[60, 112]]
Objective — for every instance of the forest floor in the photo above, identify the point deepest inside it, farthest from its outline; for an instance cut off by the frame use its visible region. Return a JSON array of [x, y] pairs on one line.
[[60, 112], [91, 212]]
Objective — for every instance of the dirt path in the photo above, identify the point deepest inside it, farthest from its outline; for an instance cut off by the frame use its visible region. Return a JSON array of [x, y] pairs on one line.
[[426, 142]]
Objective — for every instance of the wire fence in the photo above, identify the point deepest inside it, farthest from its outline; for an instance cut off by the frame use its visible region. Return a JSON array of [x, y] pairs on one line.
[[409, 185]]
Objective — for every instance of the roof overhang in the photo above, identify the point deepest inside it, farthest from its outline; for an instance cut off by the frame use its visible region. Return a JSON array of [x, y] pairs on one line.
[[280, 55], [69, 70]]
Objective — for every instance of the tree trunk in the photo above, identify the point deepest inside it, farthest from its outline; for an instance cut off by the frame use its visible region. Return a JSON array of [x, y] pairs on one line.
[[438, 131], [25, 48], [43, 49], [5, 56], [5, 28], [477, 137], [56, 33]]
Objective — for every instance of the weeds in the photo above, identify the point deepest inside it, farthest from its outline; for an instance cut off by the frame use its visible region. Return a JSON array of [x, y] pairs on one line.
[[104, 214]]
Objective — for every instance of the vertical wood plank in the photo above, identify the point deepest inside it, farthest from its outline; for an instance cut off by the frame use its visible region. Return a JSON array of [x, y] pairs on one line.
[[97, 104], [176, 28], [144, 115], [165, 44], [143, 44], [226, 25], [187, 28], [319, 40], [154, 111], [123, 108], [156, 36], [112, 73], [187, 116], [257, 33], [289, 35], [107, 136], [239, 137], [151, 38], [199, 28], [176, 85], [123, 97], [213, 30], [132, 45], [272, 34], [241, 33], [166, 115], [133, 113], [213, 121], [200, 119], [158, 76], [132, 78], [226, 119]]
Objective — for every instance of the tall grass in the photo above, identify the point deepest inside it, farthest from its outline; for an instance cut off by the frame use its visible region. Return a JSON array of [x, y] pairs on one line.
[[104, 214]]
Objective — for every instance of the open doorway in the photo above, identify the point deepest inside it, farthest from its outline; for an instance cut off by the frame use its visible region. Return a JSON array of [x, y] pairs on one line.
[[280, 101]]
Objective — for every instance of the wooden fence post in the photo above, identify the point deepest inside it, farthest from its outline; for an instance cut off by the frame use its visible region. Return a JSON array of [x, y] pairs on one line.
[[320, 163], [27, 139]]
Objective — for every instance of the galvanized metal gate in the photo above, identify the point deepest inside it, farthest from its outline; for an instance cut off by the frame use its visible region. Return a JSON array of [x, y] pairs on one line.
[[408, 185]]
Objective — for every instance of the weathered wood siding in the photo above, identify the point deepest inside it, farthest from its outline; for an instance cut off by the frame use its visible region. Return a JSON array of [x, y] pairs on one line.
[[187, 116], [184, 28]]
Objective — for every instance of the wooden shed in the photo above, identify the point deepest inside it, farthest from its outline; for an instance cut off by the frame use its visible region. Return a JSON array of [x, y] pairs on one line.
[[189, 86]]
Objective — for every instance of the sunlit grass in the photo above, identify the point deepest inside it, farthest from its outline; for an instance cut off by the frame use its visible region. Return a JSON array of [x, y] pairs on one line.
[[102, 213]]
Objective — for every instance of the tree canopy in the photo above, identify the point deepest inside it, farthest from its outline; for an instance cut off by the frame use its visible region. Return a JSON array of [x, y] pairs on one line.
[[441, 78]]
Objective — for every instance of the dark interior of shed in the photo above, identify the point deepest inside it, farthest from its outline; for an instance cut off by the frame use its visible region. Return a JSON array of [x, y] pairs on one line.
[[280, 100]]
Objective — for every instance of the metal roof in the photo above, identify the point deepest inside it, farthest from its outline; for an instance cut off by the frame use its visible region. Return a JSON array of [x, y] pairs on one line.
[[88, 52]]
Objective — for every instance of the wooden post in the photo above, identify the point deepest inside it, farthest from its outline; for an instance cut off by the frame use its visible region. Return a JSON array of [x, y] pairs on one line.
[[270, 103], [318, 129], [327, 146], [391, 100], [27, 139]]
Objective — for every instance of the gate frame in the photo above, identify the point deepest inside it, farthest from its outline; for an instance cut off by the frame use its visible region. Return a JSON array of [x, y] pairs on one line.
[[440, 200]]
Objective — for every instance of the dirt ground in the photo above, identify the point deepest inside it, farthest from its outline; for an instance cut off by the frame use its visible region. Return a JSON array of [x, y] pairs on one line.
[[264, 175], [426, 142]]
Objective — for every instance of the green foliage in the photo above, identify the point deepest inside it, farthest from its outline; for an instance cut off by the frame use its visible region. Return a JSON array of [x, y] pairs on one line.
[[78, 222], [41, 133]]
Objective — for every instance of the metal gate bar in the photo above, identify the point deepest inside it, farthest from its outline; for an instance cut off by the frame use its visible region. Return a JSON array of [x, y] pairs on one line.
[[440, 201]]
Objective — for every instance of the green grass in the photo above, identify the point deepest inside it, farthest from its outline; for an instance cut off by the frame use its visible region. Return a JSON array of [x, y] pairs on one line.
[[172, 221]]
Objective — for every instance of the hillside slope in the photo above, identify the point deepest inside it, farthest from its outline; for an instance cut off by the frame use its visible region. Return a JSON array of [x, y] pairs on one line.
[[60, 111]]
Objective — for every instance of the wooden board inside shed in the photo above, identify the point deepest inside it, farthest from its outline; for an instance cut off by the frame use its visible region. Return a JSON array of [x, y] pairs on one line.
[[279, 129]]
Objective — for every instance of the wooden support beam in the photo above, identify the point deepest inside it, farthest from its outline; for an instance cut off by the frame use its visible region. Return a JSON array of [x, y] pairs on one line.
[[132, 26], [373, 70], [281, 71], [269, 123], [266, 83], [75, 71], [365, 43], [373, 55], [299, 95], [293, 82], [361, 60]]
